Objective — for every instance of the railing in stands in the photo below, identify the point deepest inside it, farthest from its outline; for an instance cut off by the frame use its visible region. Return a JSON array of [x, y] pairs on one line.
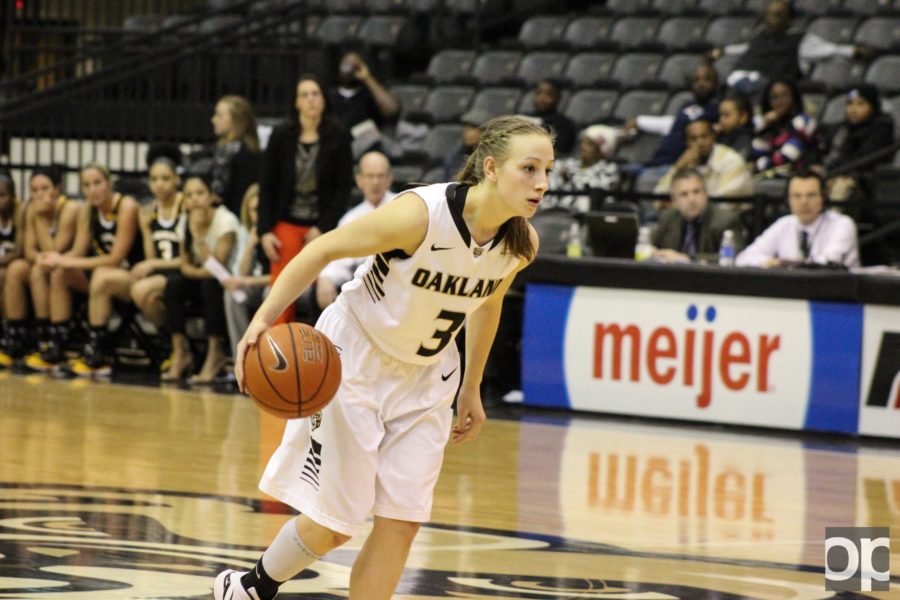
[[39, 34], [157, 87]]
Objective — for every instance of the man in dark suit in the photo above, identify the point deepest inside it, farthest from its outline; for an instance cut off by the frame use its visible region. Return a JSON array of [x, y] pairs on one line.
[[692, 228]]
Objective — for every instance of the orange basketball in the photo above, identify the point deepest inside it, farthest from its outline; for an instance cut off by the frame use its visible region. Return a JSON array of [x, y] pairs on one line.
[[293, 371]]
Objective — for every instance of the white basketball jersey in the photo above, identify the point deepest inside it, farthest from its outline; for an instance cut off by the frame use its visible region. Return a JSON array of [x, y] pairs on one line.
[[413, 306]]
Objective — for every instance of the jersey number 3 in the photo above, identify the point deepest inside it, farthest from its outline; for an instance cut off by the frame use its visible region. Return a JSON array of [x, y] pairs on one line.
[[443, 336]]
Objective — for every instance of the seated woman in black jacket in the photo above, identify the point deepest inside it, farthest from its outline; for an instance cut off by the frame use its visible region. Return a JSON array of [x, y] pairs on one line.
[[865, 131]]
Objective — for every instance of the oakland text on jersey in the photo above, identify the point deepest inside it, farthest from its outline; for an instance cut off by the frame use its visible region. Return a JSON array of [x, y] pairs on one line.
[[455, 285]]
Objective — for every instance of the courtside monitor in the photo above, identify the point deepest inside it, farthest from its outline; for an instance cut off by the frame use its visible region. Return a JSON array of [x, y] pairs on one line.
[[612, 234]]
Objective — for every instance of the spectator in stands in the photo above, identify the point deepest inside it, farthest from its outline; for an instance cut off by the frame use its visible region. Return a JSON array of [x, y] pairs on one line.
[[780, 52], [724, 171], [865, 131], [306, 179], [12, 231], [784, 133], [546, 108], [471, 133], [211, 232], [692, 228], [236, 155], [160, 223], [809, 235], [593, 169], [735, 126], [705, 104], [374, 179], [49, 226], [251, 272], [107, 237], [361, 103]]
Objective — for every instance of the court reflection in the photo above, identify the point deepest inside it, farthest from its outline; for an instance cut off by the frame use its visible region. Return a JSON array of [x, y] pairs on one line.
[[131, 492]]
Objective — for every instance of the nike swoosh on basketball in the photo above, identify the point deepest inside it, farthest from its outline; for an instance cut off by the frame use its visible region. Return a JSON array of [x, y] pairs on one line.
[[436, 248], [448, 375], [281, 365]]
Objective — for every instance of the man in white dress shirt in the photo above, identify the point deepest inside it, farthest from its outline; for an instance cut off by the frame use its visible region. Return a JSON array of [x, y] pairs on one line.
[[374, 179], [809, 235]]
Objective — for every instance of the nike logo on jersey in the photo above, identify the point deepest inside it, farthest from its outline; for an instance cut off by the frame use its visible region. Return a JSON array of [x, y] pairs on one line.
[[448, 375], [281, 365], [437, 248], [454, 285]]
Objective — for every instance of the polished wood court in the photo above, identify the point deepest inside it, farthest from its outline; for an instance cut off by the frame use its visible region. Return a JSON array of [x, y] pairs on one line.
[[114, 491]]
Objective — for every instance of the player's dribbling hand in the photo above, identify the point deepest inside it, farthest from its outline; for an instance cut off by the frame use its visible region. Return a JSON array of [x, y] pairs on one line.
[[470, 417], [254, 330]]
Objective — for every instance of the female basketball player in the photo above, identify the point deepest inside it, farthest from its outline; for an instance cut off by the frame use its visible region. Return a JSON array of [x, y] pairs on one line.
[[160, 224], [50, 220], [439, 256], [106, 238]]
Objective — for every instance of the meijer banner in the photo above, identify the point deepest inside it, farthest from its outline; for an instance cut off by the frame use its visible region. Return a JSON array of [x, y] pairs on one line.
[[728, 359]]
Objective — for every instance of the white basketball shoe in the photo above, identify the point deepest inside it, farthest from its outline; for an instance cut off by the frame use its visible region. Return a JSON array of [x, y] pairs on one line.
[[228, 587]]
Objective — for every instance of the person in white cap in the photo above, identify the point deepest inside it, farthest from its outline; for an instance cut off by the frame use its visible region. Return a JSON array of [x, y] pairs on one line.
[[591, 169]]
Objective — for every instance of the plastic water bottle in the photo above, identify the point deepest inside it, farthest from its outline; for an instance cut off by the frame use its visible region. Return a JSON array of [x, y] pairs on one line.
[[726, 249], [574, 248], [644, 247]]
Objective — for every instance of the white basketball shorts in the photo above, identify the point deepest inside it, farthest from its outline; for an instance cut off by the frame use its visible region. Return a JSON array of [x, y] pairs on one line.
[[378, 446]]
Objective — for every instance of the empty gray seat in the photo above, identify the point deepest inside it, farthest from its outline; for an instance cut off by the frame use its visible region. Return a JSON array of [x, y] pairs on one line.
[[818, 7], [636, 69], [387, 6], [730, 30], [407, 174], [834, 111], [590, 69], [412, 97], [441, 140], [675, 7], [882, 33], [682, 33], [756, 7], [635, 32], [677, 69], [883, 73], [448, 102], [589, 33], [640, 102], [586, 107], [721, 7], [381, 30], [838, 30], [628, 7], [338, 30], [867, 7], [497, 101], [217, 5], [345, 6], [536, 66], [496, 66], [450, 66], [638, 150], [543, 31], [837, 73]]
